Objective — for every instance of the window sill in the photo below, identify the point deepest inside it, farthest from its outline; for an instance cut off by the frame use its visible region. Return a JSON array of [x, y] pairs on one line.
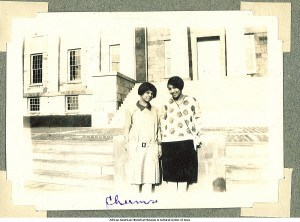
[[74, 82], [34, 113], [252, 74], [36, 84], [69, 112]]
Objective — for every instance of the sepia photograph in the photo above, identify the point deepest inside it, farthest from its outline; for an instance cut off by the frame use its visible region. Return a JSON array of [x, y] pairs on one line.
[[145, 110]]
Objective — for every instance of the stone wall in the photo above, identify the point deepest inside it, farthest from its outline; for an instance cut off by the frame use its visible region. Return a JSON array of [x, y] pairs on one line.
[[109, 91], [140, 55], [156, 52], [124, 86]]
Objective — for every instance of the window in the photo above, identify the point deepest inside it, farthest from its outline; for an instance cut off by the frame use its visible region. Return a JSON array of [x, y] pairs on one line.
[[250, 53], [167, 58], [72, 103], [114, 52], [36, 68], [263, 39], [34, 104], [74, 65], [209, 57]]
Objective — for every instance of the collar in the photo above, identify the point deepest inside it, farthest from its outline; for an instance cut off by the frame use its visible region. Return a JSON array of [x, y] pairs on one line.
[[172, 100], [143, 107]]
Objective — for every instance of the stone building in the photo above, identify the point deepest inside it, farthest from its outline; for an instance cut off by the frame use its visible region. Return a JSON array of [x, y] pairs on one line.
[[79, 75]]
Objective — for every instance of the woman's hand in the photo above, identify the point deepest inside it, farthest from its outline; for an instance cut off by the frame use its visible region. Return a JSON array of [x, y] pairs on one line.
[[159, 151]]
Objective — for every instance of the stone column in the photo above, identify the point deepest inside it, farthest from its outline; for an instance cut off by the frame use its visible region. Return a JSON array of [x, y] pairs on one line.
[[179, 52], [140, 55]]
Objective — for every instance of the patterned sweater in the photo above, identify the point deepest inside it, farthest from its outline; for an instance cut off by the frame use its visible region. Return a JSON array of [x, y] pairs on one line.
[[180, 121]]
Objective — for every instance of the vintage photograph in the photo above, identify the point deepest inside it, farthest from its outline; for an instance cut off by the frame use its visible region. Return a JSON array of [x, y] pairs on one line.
[[144, 110]]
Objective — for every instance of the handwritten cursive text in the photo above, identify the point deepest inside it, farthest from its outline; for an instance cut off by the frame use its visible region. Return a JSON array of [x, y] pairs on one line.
[[114, 200]]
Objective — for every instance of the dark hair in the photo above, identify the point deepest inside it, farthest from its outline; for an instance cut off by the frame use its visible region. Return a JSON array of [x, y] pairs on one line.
[[177, 82], [147, 86]]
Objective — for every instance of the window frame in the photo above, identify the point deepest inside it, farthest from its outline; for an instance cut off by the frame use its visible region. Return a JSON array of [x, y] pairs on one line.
[[33, 69], [111, 59], [67, 104], [30, 105], [70, 66]]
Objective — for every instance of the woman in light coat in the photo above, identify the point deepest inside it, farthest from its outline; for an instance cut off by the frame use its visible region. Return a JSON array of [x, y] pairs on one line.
[[143, 138]]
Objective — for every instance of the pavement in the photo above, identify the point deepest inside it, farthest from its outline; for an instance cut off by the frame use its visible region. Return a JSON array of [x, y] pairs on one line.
[[233, 135], [74, 133]]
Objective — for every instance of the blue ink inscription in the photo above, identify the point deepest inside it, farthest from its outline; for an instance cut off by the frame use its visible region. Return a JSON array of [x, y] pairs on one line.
[[114, 200]]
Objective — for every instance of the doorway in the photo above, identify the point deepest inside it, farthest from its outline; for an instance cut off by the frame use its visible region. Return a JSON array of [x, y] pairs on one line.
[[209, 64]]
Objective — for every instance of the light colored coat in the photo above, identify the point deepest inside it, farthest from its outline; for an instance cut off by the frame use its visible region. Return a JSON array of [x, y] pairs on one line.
[[141, 129]]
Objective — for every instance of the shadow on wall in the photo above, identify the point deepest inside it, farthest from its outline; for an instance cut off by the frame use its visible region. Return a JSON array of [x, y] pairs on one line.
[[58, 121]]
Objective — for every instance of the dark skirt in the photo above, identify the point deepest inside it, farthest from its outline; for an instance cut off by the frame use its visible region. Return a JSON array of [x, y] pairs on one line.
[[179, 161]]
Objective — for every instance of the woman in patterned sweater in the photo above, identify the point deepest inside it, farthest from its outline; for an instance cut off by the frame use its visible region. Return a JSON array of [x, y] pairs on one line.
[[179, 127]]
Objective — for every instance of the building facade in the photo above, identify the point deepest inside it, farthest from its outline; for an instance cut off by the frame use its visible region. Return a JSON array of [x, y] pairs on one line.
[[80, 76]]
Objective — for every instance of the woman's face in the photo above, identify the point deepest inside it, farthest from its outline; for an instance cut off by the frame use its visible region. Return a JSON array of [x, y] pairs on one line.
[[147, 96], [175, 92]]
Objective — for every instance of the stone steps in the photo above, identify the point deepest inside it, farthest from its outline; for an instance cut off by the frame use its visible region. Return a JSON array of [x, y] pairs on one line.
[[85, 164], [246, 164], [67, 146], [239, 173], [90, 168], [73, 179], [258, 161], [66, 156], [251, 151], [247, 185]]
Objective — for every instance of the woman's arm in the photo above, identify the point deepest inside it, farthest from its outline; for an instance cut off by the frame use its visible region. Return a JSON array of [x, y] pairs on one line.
[[159, 133], [127, 125], [198, 118], [162, 117]]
